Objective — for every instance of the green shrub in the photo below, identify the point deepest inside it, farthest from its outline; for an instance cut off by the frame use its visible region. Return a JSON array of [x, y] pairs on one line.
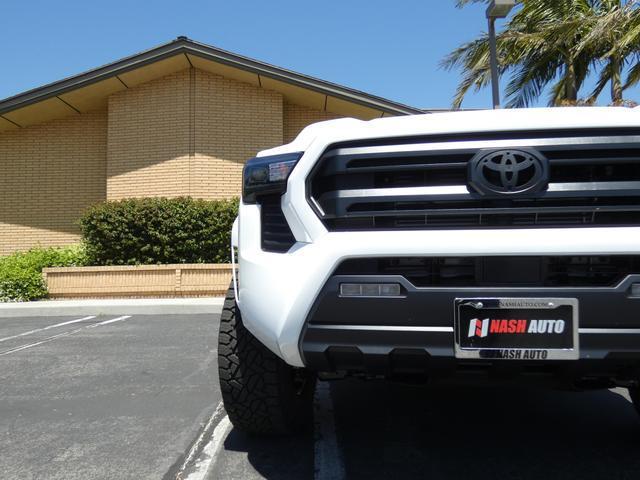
[[21, 273], [158, 231]]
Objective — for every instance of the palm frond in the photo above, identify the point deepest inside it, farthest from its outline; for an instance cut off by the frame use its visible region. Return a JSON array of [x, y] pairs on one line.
[[633, 76], [555, 44]]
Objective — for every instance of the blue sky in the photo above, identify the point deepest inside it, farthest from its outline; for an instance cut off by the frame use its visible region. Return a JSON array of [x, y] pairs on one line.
[[388, 48]]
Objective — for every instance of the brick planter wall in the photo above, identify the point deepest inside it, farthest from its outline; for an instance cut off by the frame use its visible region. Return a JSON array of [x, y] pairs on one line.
[[185, 280]]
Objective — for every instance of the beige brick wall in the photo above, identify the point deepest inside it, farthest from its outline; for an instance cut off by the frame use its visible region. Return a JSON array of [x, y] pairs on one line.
[[188, 133], [182, 280], [296, 117], [49, 174], [148, 139], [233, 121]]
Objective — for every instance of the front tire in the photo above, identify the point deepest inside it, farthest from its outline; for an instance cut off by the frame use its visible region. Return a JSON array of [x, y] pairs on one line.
[[261, 393]]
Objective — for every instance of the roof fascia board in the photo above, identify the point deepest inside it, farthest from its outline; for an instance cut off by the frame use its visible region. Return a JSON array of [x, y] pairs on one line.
[[185, 46], [88, 78]]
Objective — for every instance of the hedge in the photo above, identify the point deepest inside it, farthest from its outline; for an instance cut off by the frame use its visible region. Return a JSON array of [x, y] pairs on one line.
[[21, 273], [158, 231]]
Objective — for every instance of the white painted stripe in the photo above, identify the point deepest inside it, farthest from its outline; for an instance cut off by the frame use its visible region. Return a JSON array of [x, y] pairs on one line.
[[60, 335], [107, 322], [382, 328], [198, 443], [209, 452], [328, 460], [48, 327]]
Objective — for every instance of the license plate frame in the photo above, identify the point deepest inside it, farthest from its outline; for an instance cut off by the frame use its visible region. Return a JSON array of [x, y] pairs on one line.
[[484, 341]]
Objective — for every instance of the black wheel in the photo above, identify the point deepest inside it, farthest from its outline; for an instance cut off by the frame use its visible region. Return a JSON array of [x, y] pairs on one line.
[[634, 393], [261, 393]]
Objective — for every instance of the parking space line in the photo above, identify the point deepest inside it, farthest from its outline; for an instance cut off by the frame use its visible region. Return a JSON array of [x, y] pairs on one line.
[[212, 450], [63, 334], [328, 461], [107, 322], [48, 327], [202, 457]]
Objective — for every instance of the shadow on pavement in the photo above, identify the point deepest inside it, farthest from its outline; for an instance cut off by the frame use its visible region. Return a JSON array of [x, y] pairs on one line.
[[388, 431], [397, 431], [277, 458]]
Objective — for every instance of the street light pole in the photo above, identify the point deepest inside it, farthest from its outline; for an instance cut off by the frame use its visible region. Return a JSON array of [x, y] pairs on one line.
[[495, 86], [496, 9]]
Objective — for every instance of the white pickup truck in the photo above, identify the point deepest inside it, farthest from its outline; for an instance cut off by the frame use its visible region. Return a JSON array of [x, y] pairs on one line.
[[504, 244]]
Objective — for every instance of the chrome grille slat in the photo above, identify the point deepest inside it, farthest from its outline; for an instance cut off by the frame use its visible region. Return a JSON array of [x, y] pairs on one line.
[[419, 184], [473, 145], [490, 211]]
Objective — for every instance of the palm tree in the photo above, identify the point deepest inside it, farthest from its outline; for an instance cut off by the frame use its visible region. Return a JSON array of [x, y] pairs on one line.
[[555, 43], [613, 36]]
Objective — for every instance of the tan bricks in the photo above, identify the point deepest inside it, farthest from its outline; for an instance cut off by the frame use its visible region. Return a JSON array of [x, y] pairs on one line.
[[188, 134], [233, 121], [296, 117], [49, 174], [185, 280], [185, 134], [148, 140]]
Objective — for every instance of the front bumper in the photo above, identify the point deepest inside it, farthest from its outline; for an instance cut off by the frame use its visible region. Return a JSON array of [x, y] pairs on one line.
[[277, 291], [414, 333]]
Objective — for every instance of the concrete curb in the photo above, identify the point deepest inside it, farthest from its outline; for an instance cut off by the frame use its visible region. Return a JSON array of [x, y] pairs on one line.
[[145, 306]]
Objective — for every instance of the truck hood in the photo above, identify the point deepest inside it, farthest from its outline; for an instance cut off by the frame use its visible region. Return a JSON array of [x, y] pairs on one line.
[[348, 129]]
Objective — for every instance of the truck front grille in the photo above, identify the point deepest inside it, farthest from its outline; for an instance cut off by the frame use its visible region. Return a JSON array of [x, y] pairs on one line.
[[500, 271], [421, 183]]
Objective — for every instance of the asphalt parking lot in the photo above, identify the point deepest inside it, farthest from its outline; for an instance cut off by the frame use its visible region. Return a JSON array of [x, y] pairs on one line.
[[104, 397], [135, 396]]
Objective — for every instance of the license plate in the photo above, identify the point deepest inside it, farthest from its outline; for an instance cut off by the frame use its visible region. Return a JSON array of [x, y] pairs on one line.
[[517, 328]]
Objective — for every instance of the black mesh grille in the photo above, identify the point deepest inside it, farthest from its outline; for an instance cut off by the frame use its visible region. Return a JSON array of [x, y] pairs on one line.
[[276, 234], [514, 271], [422, 183]]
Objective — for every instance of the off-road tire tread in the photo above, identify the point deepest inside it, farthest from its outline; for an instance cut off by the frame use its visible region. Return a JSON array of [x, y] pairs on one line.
[[253, 380]]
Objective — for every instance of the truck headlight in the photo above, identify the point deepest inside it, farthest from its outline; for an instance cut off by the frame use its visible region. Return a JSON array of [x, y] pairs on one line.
[[267, 175]]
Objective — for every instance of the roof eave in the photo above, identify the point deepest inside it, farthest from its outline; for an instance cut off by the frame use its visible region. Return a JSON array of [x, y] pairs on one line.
[[186, 46]]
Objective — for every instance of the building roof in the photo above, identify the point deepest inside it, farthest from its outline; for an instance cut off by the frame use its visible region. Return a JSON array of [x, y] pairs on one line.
[[90, 90]]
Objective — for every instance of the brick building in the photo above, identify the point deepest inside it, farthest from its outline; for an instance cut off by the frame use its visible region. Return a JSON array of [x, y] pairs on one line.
[[176, 120]]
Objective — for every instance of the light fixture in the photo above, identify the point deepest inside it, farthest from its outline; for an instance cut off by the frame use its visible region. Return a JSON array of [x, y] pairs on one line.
[[370, 290], [500, 8]]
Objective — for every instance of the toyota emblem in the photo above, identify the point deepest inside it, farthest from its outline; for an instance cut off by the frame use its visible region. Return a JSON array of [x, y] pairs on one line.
[[509, 172]]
